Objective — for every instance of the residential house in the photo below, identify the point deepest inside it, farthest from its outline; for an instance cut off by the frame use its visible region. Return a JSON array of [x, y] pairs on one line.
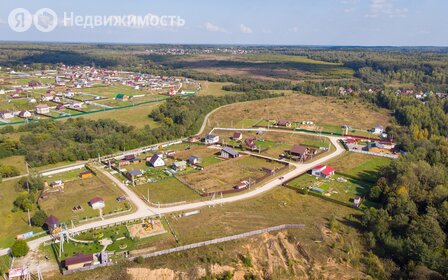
[[58, 183], [323, 171], [211, 139], [179, 165], [86, 174], [379, 129], [78, 261], [284, 123], [229, 153], [60, 107], [97, 203], [76, 105], [25, 114], [237, 136], [46, 97], [34, 84], [250, 143], [69, 94], [122, 97], [193, 160], [51, 223], [6, 115], [42, 109], [301, 152], [155, 161], [133, 174], [170, 153], [241, 185]]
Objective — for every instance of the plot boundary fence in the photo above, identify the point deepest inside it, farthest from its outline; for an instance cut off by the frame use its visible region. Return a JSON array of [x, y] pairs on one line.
[[219, 240]]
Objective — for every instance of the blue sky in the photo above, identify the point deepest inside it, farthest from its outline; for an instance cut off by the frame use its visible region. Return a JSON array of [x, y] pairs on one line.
[[289, 22]]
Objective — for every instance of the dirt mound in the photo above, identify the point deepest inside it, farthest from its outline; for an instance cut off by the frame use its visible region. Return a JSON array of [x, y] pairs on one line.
[[269, 256]]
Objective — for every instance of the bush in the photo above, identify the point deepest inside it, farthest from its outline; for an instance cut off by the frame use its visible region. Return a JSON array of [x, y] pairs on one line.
[[140, 260], [247, 260], [39, 218], [19, 248]]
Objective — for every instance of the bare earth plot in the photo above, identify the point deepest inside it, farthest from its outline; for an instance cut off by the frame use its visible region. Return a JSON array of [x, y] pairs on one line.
[[320, 110]]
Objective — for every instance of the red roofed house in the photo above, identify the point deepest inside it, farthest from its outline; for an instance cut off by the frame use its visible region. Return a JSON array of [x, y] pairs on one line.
[[237, 136], [285, 123], [324, 171], [97, 203], [52, 223]]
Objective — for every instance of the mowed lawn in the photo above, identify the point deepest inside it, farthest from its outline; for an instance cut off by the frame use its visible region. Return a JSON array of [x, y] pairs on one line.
[[12, 223], [300, 107], [137, 116], [79, 192], [359, 166], [168, 190], [109, 91]]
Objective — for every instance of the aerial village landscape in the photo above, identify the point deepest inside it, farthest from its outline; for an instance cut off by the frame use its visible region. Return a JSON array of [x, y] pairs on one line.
[[224, 140]]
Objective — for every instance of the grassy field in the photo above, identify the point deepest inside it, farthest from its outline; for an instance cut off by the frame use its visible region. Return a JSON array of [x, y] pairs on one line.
[[329, 250], [164, 240], [168, 190], [136, 116], [109, 91], [226, 174], [320, 110], [12, 223], [16, 161], [358, 172], [214, 88], [79, 192], [65, 176], [261, 66], [273, 143], [359, 166]]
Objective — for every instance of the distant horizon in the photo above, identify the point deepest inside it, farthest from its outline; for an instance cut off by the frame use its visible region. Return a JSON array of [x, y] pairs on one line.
[[364, 23], [223, 44]]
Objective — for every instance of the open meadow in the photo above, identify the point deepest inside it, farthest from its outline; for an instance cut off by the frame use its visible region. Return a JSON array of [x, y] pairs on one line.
[[225, 175], [298, 108], [78, 192]]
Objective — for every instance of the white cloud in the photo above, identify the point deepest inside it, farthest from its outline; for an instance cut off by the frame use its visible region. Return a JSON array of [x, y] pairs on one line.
[[210, 27], [266, 31], [385, 8], [294, 29], [349, 10], [245, 29]]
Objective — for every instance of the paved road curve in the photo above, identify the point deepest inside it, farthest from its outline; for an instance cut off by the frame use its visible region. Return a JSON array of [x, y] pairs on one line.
[[143, 210]]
